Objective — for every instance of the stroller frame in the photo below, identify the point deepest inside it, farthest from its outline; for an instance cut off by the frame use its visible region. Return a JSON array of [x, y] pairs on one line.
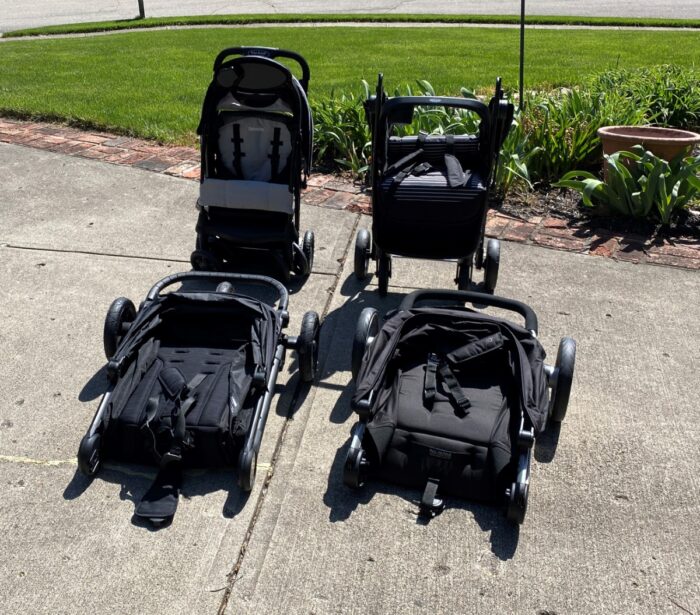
[[226, 236], [122, 315], [559, 378]]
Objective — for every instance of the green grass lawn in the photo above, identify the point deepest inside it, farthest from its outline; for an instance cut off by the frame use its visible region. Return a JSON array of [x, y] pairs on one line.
[[152, 83], [155, 22]]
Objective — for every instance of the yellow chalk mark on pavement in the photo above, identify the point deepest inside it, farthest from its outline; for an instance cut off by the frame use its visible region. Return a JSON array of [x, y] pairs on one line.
[[38, 462]]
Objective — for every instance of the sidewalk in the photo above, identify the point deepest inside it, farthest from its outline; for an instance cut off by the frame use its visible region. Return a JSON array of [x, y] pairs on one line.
[[613, 524], [342, 194]]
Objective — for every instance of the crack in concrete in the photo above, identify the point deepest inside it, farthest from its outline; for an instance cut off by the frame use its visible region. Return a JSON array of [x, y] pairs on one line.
[[232, 577]]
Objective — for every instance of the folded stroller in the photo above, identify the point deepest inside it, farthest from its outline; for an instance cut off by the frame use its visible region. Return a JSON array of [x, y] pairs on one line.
[[430, 191], [451, 400], [256, 136], [192, 377]]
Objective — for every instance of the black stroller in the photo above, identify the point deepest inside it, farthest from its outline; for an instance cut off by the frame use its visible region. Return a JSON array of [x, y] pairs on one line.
[[256, 136], [430, 191], [192, 376], [451, 400]]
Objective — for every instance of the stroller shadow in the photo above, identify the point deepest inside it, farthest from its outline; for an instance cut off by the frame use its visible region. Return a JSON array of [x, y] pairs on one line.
[[134, 481], [547, 442], [95, 386]]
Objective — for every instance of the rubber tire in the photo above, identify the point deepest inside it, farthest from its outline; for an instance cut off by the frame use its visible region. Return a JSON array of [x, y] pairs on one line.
[[363, 251], [120, 312], [491, 265], [352, 469], [89, 459], [246, 475], [517, 503], [565, 363], [464, 275], [204, 260], [367, 326], [308, 344], [307, 247], [383, 273]]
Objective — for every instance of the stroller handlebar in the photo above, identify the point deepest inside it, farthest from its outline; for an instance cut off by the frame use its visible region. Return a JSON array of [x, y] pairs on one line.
[[463, 296], [221, 277], [267, 52], [434, 101]]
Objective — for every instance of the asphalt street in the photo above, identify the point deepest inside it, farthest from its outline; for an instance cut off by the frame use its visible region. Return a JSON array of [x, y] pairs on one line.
[[17, 14]]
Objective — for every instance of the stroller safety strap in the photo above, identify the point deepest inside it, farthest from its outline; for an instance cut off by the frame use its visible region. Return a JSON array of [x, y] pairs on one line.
[[435, 367], [159, 503]]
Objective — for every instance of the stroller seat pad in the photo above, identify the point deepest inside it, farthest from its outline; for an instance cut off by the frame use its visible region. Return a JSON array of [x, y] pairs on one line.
[[246, 194]]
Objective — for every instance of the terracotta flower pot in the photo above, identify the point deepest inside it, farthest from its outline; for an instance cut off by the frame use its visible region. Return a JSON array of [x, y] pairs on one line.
[[665, 143]]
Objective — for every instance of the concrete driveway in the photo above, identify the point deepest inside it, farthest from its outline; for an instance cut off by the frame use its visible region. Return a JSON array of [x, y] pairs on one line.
[[614, 519], [20, 14]]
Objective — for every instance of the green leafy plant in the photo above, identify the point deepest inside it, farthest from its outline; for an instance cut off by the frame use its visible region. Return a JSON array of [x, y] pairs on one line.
[[669, 94], [639, 185]]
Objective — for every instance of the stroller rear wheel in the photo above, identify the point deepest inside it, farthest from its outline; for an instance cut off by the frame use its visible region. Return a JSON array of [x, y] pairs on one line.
[[247, 469], [308, 344], [383, 273], [564, 370], [517, 502], [307, 247], [119, 316], [89, 454], [204, 260], [493, 259], [366, 331], [363, 252], [354, 469], [464, 274]]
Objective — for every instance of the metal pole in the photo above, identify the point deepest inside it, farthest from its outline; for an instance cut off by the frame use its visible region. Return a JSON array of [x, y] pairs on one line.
[[142, 12], [522, 52]]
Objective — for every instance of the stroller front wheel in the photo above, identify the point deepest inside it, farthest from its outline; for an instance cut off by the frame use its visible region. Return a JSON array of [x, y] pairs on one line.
[[383, 273], [120, 315], [247, 469], [366, 330], [517, 502], [491, 264], [204, 260]]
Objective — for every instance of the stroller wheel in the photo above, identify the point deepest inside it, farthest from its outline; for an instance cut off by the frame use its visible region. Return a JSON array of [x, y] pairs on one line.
[[354, 469], [362, 253], [308, 343], [493, 258], [89, 454], [366, 330], [383, 273], [564, 370], [119, 316], [517, 502], [247, 469], [464, 274], [307, 247], [204, 260]]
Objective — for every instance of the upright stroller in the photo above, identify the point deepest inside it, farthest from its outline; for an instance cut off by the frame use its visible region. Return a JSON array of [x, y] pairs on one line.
[[451, 400], [430, 191], [192, 377], [256, 136]]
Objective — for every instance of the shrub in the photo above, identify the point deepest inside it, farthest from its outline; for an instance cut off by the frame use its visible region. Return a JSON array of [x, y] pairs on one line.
[[639, 185], [669, 94]]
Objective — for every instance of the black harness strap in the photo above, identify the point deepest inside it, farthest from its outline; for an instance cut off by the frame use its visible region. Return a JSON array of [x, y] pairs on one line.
[[275, 155], [159, 503], [429, 384], [455, 390], [237, 153], [430, 504]]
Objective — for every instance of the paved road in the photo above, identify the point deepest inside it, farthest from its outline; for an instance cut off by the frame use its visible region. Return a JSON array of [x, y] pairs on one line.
[[22, 14], [613, 523]]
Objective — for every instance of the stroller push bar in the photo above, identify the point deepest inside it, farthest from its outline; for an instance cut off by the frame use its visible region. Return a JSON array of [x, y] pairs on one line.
[[223, 277], [267, 52], [463, 296]]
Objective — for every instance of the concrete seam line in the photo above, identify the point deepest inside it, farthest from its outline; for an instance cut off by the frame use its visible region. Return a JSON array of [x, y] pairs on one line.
[[233, 575], [38, 462]]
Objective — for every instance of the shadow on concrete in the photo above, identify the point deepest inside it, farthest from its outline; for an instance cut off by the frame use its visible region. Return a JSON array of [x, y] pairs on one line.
[[547, 442], [96, 386], [134, 481]]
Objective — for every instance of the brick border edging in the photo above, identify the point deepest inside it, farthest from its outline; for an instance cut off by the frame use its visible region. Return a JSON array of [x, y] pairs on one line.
[[339, 193]]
